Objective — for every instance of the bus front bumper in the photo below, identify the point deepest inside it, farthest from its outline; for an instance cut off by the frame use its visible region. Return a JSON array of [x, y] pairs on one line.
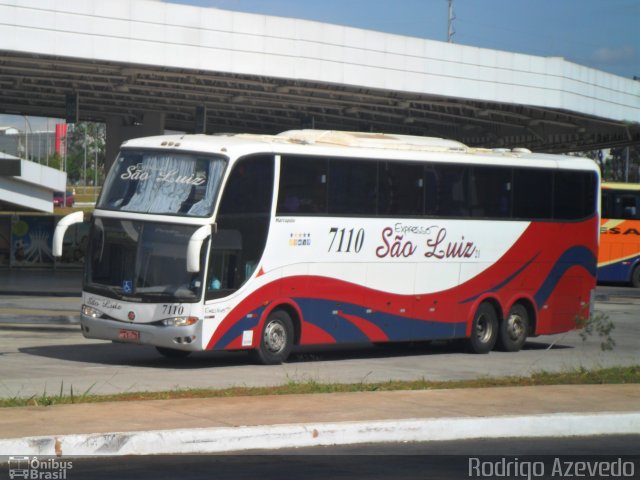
[[187, 338]]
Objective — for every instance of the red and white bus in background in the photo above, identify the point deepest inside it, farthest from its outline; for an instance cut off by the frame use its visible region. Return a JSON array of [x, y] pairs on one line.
[[256, 242]]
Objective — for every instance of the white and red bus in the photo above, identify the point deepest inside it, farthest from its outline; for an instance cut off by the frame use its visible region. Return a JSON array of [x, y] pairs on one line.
[[263, 243]]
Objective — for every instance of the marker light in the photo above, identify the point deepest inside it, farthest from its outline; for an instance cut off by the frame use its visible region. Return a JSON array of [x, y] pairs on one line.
[[91, 312], [179, 321]]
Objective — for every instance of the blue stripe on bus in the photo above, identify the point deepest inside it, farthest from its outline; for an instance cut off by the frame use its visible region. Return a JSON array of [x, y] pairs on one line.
[[320, 313], [575, 256], [617, 272], [240, 326], [397, 328], [504, 282]]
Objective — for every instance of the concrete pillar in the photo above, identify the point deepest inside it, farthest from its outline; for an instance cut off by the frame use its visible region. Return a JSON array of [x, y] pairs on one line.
[[151, 123]]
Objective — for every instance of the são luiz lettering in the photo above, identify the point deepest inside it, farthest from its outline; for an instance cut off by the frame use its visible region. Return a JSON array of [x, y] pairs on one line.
[[396, 245], [137, 172]]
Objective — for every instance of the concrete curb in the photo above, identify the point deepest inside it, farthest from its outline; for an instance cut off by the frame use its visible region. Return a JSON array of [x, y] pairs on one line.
[[233, 439]]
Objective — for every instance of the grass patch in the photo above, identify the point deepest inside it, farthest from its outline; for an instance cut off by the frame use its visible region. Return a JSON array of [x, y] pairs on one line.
[[615, 375], [62, 211]]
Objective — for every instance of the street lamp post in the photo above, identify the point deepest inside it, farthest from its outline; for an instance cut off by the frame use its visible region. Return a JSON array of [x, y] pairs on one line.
[[26, 137], [95, 176], [84, 175]]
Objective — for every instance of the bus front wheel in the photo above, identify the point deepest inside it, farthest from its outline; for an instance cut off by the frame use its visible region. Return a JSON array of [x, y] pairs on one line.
[[514, 329], [276, 340], [484, 330]]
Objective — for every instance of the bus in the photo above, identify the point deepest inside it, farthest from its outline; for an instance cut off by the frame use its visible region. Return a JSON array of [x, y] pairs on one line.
[[267, 243], [619, 254]]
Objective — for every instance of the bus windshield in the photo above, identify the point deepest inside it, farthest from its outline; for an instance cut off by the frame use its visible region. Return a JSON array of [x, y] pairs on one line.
[[141, 259], [163, 182]]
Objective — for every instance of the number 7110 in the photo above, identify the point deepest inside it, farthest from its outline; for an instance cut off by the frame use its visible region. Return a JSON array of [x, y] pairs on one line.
[[346, 241]]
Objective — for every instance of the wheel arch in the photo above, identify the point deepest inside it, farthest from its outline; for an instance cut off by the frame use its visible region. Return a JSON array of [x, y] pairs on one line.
[[635, 267]]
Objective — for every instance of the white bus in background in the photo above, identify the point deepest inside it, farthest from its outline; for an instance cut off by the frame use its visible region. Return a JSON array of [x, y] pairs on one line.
[[263, 243]]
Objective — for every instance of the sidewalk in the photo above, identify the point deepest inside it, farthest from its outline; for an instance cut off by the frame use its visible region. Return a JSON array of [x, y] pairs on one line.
[[289, 421]]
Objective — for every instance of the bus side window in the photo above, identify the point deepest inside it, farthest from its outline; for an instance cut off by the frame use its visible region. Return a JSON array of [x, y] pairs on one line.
[[573, 197], [525, 205], [401, 189], [352, 187], [621, 205], [617, 206], [630, 212], [430, 191], [453, 190], [607, 205], [303, 186], [490, 189], [629, 206]]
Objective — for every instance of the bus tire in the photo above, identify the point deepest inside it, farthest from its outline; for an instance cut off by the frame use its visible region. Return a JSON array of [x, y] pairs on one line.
[[514, 329], [484, 330], [635, 277], [172, 352], [276, 340]]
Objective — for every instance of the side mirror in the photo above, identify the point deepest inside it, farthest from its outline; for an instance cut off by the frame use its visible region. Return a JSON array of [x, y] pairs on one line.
[[194, 247], [61, 228]]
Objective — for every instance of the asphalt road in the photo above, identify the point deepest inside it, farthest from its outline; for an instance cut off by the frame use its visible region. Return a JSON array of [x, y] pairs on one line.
[[433, 460], [53, 356]]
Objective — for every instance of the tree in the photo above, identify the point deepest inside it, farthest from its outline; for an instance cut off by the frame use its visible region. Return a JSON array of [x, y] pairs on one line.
[[620, 171], [613, 165], [85, 144], [54, 161]]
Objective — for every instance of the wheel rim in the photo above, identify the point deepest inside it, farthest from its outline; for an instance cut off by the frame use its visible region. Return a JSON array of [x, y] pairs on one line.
[[515, 326], [275, 337], [484, 329]]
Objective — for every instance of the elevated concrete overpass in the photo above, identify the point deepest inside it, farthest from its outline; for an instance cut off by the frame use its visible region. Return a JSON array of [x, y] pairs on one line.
[[27, 186], [144, 66]]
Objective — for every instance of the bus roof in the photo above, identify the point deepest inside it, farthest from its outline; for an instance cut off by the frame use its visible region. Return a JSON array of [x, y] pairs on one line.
[[620, 186], [308, 141]]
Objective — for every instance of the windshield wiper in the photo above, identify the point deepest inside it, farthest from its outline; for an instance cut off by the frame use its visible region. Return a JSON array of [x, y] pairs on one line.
[[112, 289], [169, 295]]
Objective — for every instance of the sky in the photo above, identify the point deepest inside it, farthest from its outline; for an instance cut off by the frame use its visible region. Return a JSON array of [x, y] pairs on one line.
[[601, 34]]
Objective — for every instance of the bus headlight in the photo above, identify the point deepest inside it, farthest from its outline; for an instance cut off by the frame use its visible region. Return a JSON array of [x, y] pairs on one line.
[[91, 312], [179, 321]]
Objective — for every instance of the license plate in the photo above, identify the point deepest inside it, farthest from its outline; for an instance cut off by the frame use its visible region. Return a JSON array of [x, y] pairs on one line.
[[129, 335]]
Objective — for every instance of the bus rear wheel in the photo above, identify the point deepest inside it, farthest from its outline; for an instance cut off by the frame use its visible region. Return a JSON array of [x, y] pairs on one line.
[[172, 352], [484, 330], [514, 329], [276, 340]]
